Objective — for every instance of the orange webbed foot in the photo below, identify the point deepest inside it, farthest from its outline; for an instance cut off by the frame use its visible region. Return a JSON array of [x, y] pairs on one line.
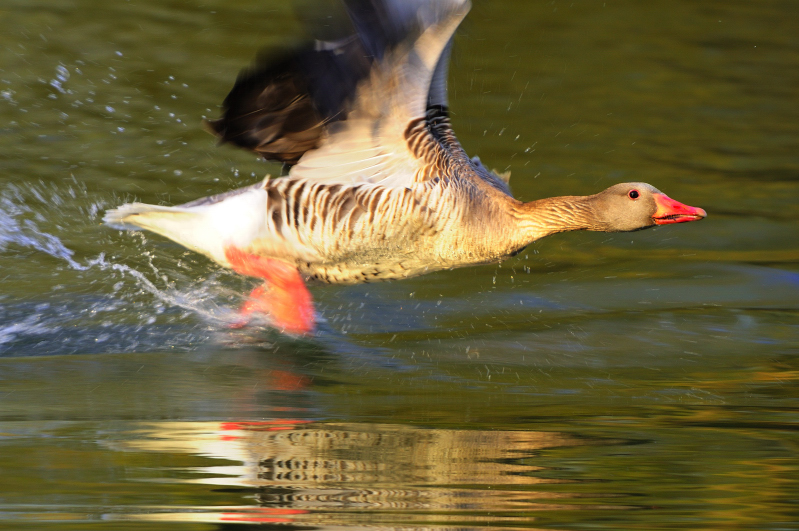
[[283, 297]]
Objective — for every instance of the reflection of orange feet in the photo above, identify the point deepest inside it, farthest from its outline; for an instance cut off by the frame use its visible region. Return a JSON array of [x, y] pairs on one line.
[[283, 297]]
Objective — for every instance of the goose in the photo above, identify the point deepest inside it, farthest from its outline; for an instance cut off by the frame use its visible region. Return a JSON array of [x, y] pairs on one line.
[[377, 187]]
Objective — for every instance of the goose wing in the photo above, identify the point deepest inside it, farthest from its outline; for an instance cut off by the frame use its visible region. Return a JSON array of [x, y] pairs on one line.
[[370, 107]]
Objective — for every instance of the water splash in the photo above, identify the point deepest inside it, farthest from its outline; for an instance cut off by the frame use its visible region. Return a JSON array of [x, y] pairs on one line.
[[97, 303], [14, 229]]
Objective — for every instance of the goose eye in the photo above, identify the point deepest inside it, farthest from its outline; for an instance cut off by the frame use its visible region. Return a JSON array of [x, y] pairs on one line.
[[633, 194]]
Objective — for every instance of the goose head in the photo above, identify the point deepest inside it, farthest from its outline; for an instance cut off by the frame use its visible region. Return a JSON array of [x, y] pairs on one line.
[[634, 206]]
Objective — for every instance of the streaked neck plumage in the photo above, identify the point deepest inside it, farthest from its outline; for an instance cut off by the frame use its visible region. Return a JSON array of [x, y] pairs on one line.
[[543, 217]]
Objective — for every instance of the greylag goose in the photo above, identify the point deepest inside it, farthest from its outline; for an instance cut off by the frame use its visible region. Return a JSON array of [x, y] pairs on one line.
[[378, 187]]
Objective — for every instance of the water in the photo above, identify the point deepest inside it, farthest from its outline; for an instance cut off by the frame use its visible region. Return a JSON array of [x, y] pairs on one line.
[[595, 381]]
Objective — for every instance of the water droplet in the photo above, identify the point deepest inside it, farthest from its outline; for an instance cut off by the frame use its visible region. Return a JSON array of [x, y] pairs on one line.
[[62, 74]]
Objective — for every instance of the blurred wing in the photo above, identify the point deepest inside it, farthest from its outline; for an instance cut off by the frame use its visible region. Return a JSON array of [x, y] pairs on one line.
[[280, 107], [362, 109]]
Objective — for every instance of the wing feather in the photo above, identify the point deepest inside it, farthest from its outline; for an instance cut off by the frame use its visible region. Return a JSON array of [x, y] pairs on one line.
[[340, 111], [394, 96]]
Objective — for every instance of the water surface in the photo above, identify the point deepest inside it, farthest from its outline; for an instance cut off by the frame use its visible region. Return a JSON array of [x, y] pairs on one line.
[[595, 381]]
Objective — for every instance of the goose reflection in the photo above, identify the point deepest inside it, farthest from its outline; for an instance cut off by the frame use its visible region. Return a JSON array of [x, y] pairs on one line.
[[312, 473]]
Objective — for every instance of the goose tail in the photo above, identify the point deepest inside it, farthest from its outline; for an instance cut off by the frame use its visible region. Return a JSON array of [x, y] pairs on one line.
[[176, 223], [160, 219], [206, 226]]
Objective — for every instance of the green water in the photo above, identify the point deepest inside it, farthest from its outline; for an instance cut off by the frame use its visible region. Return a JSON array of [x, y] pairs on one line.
[[595, 381]]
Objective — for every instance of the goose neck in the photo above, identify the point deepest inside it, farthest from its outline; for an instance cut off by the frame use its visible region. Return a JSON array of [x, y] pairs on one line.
[[557, 214]]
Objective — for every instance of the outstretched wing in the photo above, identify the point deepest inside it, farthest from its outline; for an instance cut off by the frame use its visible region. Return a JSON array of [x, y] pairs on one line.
[[371, 107]]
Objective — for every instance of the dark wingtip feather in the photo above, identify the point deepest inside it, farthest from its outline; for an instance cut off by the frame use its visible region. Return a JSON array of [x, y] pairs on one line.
[[270, 109], [214, 127]]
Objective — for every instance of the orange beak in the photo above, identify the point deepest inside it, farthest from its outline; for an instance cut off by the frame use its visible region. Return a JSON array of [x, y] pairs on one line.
[[671, 211]]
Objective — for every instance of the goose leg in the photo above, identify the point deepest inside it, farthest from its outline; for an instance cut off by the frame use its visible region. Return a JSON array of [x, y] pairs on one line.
[[284, 296]]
